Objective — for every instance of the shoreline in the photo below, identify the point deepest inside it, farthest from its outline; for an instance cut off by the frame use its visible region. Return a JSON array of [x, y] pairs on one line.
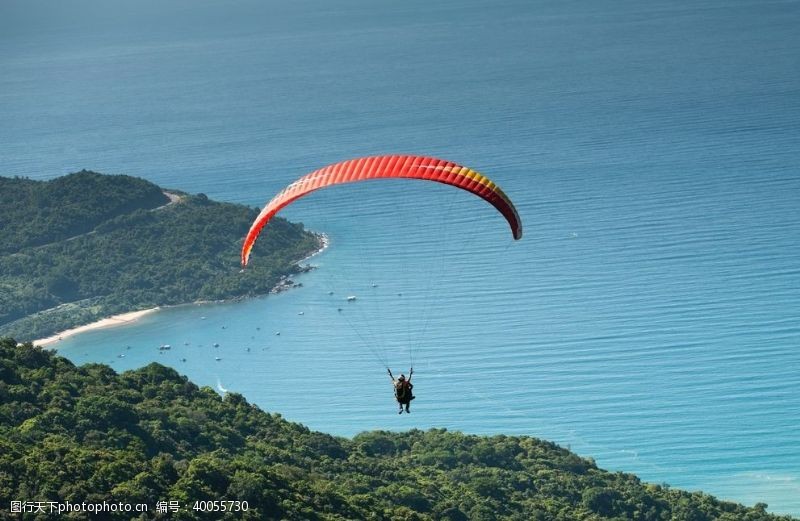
[[324, 242], [132, 316], [112, 321]]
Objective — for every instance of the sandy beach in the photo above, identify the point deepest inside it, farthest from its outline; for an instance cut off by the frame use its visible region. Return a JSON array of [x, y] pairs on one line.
[[128, 318], [116, 320]]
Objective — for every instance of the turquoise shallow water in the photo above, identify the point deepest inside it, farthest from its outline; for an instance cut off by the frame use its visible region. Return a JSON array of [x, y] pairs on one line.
[[649, 317]]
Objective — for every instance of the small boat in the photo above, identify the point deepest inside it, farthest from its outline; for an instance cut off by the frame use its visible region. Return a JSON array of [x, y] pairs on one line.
[[120, 356], [217, 358], [330, 293], [351, 298], [165, 347], [302, 313], [216, 344], [183, 359], [374, 285], [277, 333]]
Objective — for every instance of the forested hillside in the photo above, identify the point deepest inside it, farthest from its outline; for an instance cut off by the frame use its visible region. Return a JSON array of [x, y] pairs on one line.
[[89, 434], [86, 246], [33, 213]]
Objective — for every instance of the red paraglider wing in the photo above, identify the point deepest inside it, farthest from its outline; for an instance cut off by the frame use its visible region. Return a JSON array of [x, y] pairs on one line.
[[393, 166]]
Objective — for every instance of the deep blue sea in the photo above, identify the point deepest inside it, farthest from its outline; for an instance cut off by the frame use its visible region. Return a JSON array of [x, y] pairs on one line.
[[650, 317]]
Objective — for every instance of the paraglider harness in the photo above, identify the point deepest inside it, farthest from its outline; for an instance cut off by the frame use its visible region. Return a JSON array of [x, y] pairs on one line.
[[403, 391], [402, 388]]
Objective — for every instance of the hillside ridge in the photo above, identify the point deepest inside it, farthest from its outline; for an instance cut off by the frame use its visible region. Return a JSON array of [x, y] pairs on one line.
[[87, 246], [89, 434]]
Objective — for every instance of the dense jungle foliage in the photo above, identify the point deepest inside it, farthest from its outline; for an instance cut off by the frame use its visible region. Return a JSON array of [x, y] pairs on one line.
[[33, 213], [85, 246], [88, 434]]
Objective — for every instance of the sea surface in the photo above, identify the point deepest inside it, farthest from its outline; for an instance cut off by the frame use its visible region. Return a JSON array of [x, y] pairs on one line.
[[650, 316]]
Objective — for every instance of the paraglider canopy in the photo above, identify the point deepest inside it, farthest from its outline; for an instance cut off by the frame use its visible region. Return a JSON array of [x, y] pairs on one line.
[[387, 167]]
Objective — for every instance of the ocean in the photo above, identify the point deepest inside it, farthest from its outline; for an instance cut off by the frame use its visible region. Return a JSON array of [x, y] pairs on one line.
[[650, 316]]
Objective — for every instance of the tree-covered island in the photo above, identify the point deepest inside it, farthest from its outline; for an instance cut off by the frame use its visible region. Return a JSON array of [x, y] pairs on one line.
[[85, 246]]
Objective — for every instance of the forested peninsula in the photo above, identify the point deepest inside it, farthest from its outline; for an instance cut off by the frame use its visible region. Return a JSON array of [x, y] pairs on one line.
[[85, 246], [88, 435]]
